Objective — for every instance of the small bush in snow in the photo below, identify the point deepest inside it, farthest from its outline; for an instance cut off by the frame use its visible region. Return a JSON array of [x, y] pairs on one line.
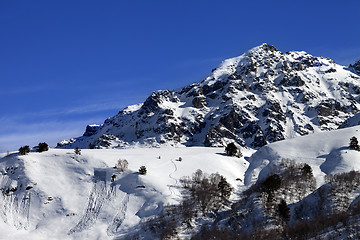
[[142, 170], [306, 170], [24, 150], [232, 150], [42, 147], [77, 151], [122, 165], [354, 144]]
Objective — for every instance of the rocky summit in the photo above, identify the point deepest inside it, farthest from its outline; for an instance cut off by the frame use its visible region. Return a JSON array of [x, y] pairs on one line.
[[257, 98]]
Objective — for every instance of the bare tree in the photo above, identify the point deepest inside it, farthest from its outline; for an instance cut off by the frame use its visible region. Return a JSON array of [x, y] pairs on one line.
[[122, 165]]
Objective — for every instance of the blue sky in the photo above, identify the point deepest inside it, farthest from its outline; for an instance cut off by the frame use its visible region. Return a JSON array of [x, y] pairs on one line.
[[65, 64]]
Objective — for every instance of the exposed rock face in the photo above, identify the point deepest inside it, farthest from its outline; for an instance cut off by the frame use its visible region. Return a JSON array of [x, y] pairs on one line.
[[91, 129], [199, 102], [356, 67], [260, 97]]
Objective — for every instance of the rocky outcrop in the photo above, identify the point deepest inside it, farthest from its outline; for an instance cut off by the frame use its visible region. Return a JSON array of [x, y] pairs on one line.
[[356, 67], [91, 130]]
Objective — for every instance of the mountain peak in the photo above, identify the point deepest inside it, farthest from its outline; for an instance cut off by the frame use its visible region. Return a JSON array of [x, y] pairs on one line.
[[265, 47], [257, 98]]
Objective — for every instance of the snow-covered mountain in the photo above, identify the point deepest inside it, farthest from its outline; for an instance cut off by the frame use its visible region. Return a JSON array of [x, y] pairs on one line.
[[257, 98], [285, 186]]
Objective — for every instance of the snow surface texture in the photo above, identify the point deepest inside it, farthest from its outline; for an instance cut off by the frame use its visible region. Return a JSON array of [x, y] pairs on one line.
[[60, 195], [257, 98], [325, 152]]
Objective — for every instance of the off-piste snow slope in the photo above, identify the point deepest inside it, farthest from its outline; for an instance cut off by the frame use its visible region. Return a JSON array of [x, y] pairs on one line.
[[326, 153], [60, 195]]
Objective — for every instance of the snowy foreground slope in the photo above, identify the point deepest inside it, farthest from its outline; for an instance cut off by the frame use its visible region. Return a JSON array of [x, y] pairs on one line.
[[325, 152], [60, 195]]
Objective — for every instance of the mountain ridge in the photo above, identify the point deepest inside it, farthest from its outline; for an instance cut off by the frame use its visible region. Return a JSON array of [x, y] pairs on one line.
[[260, 97]]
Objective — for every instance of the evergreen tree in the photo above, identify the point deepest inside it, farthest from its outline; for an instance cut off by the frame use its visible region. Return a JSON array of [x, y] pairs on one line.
[[224, 188], [42, 147], [284, 210], [272, 183], [306, 170], [142, 170], [354, 144], [232, 150], [24, 150]]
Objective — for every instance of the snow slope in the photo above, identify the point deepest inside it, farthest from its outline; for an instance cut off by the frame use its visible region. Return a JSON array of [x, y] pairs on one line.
[[60, 195], [325, 152]]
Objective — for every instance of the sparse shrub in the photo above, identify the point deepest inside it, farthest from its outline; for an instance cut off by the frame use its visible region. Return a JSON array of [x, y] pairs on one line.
[[24, 150], [216, 233], [142, 170], [232, 150], [163, 226], [198, 176], [347, 178], [169, 229], [186, 208], [354, 144], [205, 194], [297, 179], [122, 165], [209, 192], [42, 147], [77, 151]]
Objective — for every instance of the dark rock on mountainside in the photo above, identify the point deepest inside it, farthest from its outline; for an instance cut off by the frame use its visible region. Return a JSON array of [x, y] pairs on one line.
[[356, 66], [259, 97], [91, 130]]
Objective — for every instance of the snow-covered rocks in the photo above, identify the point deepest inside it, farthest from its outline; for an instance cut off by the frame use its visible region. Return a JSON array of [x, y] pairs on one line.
[[257, 98], [356, 66]]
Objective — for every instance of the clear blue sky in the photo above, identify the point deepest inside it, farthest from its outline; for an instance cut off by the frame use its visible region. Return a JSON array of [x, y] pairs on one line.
[[65, 64]]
